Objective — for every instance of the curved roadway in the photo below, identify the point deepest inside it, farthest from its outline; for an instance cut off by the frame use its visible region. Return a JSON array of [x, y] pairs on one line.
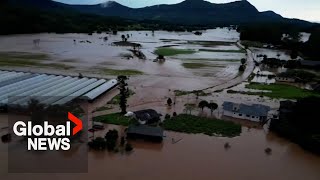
[[239, 79]]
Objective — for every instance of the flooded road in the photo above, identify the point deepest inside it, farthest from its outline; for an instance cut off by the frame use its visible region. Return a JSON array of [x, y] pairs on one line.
[[194, 157]]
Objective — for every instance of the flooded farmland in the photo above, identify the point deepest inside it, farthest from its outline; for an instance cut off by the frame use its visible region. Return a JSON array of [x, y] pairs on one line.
[[92, 54], [195, 157]]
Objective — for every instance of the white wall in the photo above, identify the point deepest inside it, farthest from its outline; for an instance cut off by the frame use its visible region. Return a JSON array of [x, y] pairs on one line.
[[244, 116]]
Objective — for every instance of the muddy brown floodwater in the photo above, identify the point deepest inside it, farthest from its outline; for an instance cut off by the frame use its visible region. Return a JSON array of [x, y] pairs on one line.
[[194, 157]]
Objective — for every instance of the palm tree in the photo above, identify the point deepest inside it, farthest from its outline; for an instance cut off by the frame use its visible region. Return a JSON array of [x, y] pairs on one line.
[[212, 106], [203, 104]]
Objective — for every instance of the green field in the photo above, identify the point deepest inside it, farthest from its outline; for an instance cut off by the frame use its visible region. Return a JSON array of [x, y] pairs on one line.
[[281, 91], [220, 50], [124, 72], [218, 60], [200, 65], [195, 125], [115, 118], [18, 59], [167, 51]]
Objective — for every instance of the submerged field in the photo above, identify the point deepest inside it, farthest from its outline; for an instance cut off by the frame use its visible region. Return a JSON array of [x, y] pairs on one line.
[[216, 53]]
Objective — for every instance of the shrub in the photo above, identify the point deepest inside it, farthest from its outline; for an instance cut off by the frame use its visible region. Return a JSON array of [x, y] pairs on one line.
[[98, 144], [128, 147]]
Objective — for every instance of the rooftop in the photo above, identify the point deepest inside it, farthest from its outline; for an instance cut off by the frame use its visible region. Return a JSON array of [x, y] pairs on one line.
[[253, 110], [145, 130], [48, 89]]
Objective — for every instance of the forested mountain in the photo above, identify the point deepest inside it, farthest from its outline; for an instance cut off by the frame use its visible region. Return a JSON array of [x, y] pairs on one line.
[[188, 12]]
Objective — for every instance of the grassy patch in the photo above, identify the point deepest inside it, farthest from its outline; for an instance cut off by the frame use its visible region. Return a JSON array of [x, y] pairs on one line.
[[23, 55], [115, 118], [182, 93], [277, 91], [282, 91], [28, 59], [211, 43], [125, 72], [199, 65], [57, 66], [167, 51], [252, 44], [221, 50], [194, 124], [21, 59], [219, 60]]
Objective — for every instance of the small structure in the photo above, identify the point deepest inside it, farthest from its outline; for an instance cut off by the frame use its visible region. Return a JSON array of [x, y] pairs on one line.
[[148, 116], [285, 79], [145, 132], [255, 112]]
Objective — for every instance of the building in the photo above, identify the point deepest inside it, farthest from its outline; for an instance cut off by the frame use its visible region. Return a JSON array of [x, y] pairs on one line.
[[17, 88], [145, 132], [285, 79], [148, 116], [255, 112]]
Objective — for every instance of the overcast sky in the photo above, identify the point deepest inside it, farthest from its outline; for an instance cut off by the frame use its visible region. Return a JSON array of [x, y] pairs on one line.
[[302, 9]]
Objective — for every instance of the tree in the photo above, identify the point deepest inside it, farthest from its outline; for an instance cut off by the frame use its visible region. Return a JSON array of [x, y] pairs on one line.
[[174, 114], [128, 147], [212, 106], [124, 93], [111, 137], [169, 101], [243, 61], [189, 107], [242, 68], [98, 144], [294, 54], [123, 37], [203, 104]]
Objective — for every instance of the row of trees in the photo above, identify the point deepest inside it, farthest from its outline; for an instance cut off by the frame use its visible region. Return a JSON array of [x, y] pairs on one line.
[[273, 34], [300, 123], [205, 104]]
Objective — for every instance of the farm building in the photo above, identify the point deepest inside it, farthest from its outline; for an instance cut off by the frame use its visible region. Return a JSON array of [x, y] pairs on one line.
[[17, 88], [145, 132], [255, 112]]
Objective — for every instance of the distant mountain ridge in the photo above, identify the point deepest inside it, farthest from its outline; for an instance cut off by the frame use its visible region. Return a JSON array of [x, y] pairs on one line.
[[188, 12]]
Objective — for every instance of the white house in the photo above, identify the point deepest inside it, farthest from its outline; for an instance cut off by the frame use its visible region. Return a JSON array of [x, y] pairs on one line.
[[255, 112], [285, 79]]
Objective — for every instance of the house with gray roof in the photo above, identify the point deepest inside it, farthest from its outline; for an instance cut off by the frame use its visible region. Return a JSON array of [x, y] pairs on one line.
[[254, 112]]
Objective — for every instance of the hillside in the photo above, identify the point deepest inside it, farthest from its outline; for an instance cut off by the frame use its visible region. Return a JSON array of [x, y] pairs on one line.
[[188, 12]]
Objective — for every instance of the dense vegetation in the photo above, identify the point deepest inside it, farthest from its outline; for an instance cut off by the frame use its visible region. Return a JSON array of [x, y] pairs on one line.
[[194, 124], [300, 123], [273, 34], [16, 20], [115, 118]]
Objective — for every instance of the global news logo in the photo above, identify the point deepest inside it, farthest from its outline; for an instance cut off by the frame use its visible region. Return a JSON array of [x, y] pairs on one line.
[[48, 136]]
